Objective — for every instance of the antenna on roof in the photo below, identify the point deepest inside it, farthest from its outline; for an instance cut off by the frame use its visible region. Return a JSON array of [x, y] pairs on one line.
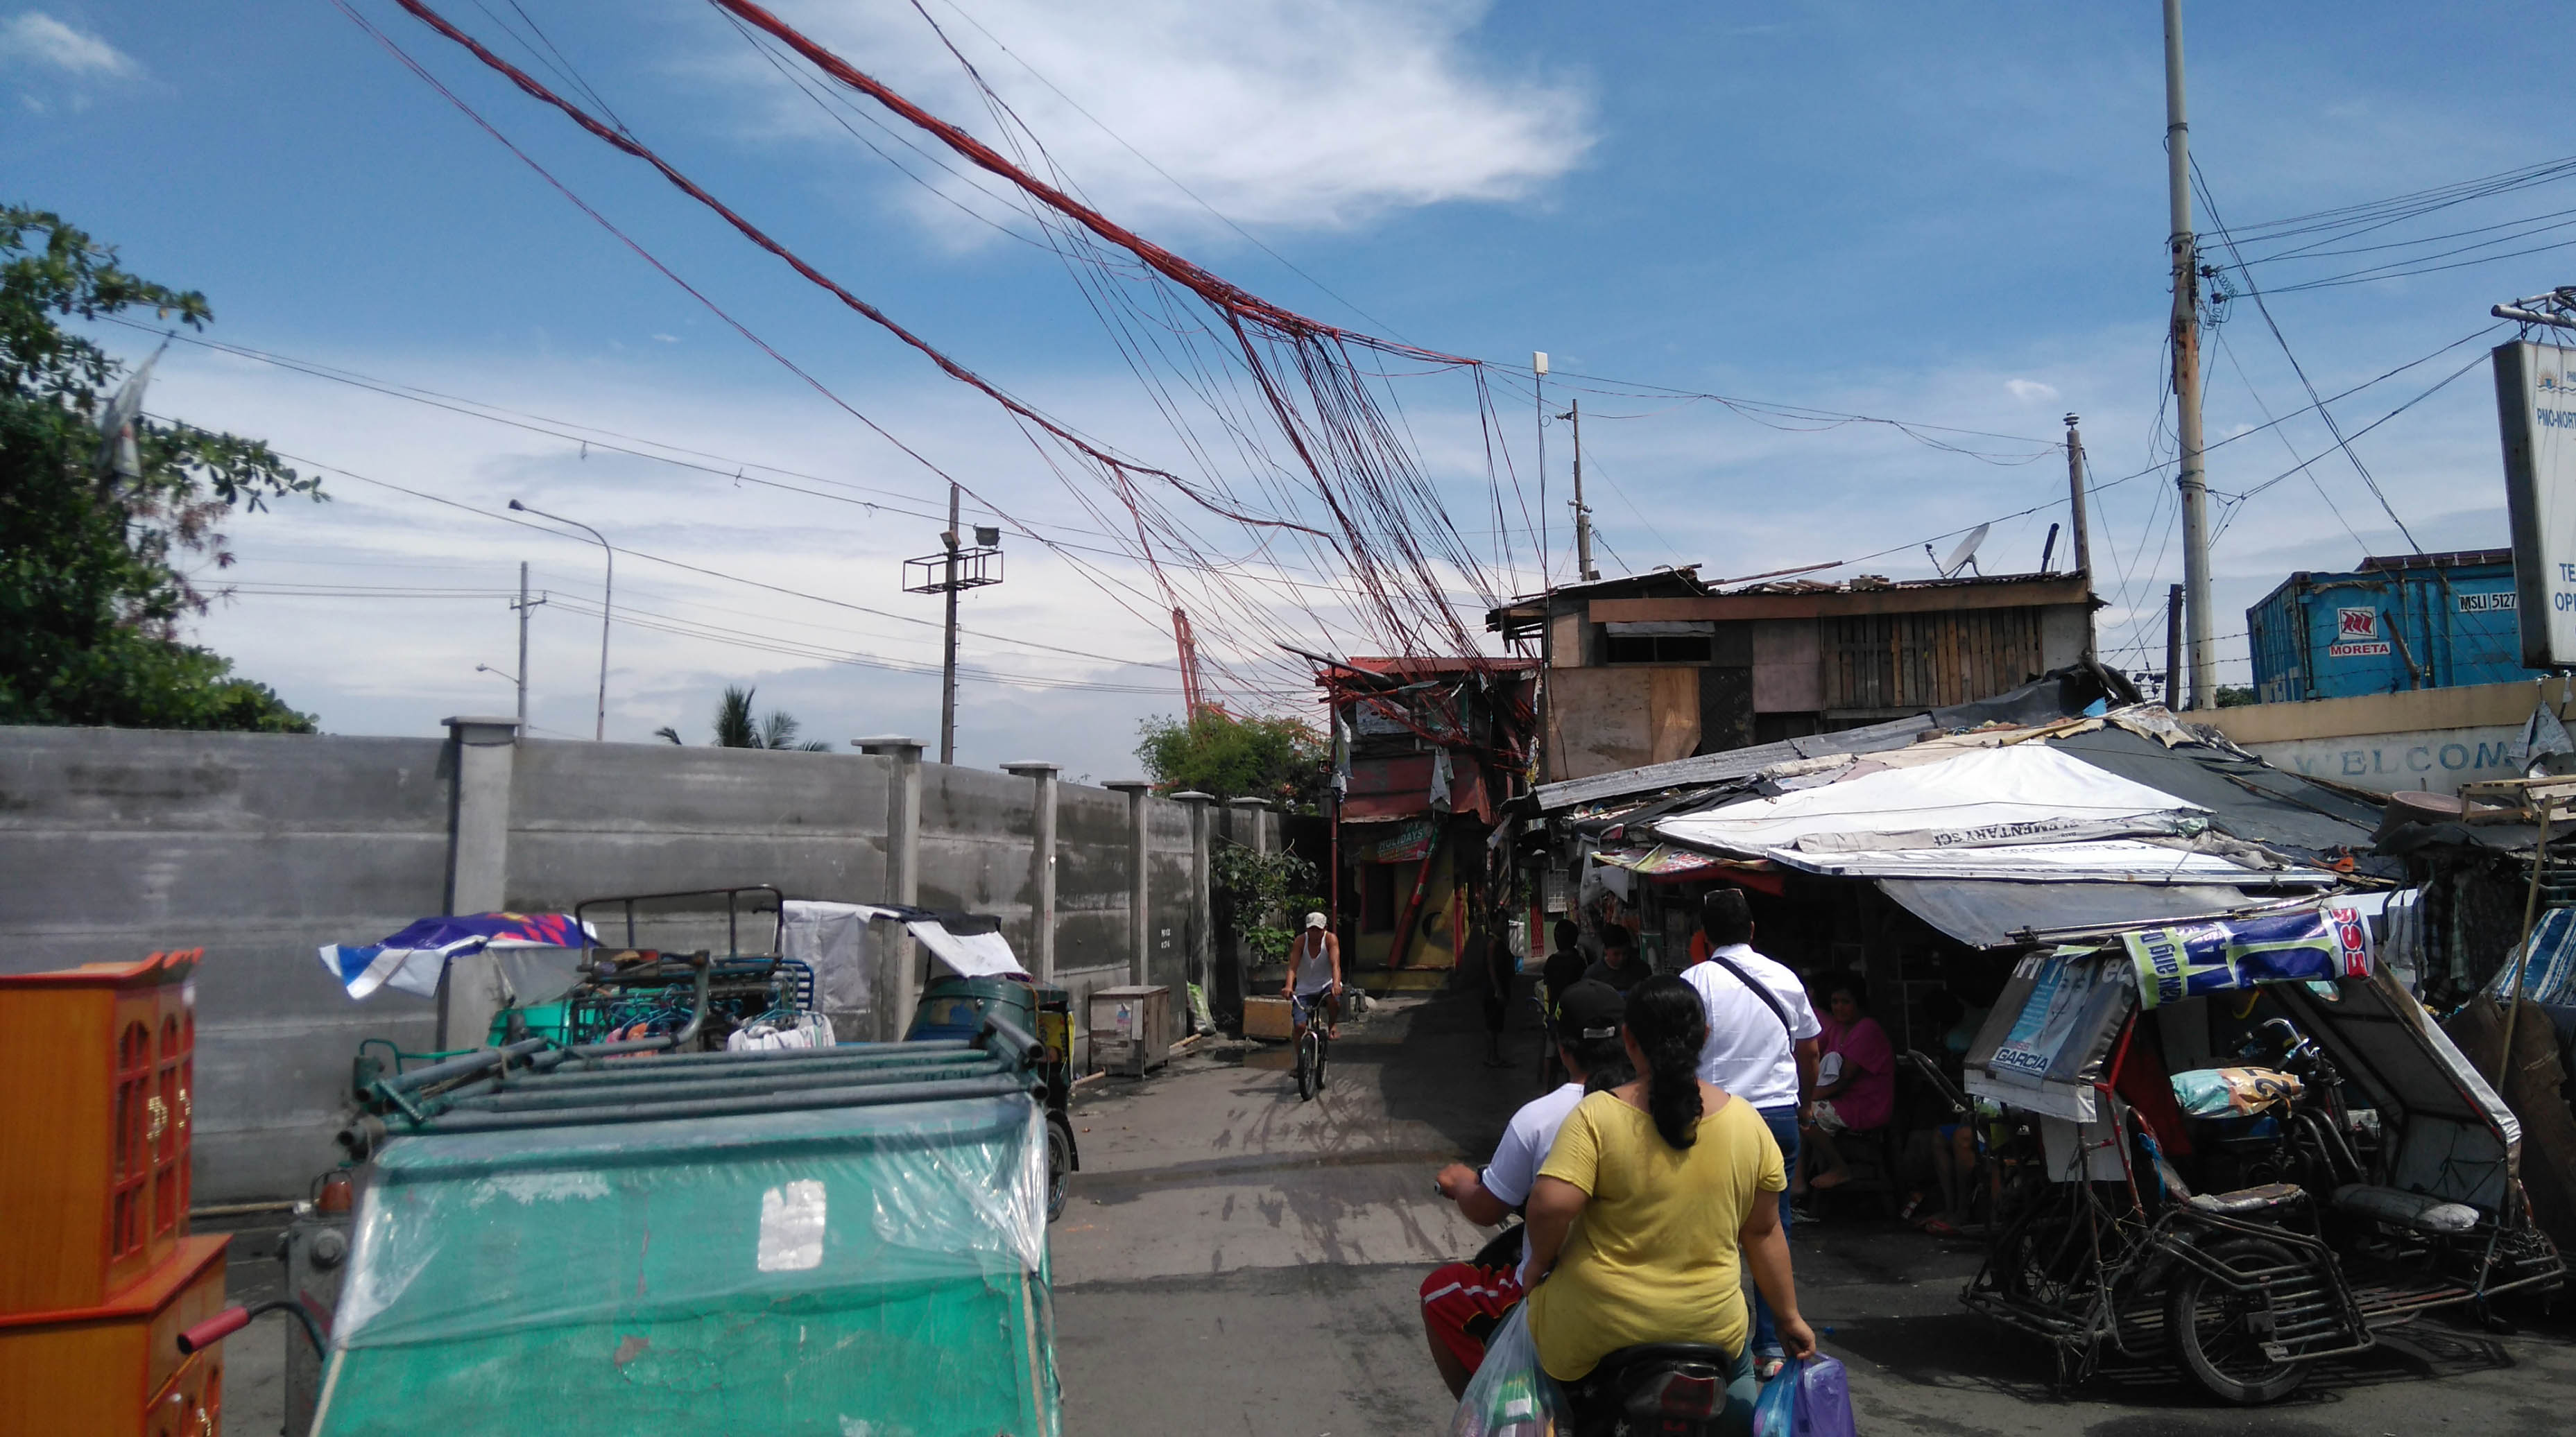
[[1960, 557]]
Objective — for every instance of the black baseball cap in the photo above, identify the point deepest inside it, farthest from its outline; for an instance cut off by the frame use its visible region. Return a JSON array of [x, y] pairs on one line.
[[1590, 1009]]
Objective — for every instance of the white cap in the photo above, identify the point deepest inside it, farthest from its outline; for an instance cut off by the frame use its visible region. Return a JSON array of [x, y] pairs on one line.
[[1314, 920]]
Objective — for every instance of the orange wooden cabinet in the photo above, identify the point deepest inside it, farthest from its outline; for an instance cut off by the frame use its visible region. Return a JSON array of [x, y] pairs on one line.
[[96, 1112], [115, 1370]]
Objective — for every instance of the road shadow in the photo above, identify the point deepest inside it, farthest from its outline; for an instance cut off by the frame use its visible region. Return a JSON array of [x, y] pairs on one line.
[[1961, 1351], [1423, 1056]]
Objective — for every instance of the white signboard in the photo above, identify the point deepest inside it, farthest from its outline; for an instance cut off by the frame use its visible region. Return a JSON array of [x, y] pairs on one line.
[[2536, 414], [2356, 635]]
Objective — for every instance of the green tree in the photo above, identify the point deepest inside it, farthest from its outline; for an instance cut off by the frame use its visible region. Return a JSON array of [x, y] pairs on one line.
[[737, 728], [1260, 897], [1280, 759], [99, 561]]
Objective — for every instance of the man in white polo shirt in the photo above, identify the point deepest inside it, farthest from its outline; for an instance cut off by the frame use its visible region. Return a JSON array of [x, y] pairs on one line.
[[1463, 1302], [1761, 1047]]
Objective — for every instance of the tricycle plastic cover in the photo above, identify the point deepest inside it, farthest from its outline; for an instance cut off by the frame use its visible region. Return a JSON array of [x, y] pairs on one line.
[[864, 1269]]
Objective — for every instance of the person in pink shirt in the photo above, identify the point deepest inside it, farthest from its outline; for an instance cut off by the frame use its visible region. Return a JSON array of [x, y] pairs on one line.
[[1856, 1084]]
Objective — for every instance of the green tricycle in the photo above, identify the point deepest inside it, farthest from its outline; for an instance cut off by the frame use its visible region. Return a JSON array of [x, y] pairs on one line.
[[644, 1209]]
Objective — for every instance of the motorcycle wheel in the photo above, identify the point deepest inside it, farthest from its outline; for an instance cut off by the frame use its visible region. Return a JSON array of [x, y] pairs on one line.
[[2214, 1331], [1059, 1167], [1306, 1065]]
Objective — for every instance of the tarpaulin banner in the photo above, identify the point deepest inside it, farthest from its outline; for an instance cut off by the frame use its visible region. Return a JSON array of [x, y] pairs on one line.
[[2319, 944], [410, 961], [2053, 1013]]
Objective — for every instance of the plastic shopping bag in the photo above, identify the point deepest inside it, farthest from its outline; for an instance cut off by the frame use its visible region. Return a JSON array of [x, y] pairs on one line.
[[1511, 1395], [1808, 1399]]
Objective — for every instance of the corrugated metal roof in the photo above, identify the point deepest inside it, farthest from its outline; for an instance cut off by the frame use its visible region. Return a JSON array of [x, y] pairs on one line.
[[1734, 763]]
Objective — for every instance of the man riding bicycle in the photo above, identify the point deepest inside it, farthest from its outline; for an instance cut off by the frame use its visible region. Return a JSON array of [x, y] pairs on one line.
[[1315, 979]]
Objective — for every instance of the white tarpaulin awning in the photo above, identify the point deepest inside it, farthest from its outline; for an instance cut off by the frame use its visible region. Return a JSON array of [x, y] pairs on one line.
[[2095, 861], [2026, 794]]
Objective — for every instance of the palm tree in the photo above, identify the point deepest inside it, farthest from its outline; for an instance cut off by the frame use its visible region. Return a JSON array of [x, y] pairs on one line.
[[737, 727]]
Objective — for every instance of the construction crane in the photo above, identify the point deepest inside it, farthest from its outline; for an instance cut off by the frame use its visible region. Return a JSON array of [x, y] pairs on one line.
[[1193, 693]]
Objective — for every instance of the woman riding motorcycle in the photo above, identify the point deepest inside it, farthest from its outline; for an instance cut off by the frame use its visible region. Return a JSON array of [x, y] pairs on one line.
[[1672, 1178]]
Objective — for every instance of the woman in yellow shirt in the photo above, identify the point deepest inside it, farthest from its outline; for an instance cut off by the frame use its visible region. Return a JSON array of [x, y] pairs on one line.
[[1672, 1178]]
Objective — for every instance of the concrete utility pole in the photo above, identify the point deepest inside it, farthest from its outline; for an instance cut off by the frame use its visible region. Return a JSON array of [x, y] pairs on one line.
[[1582, 515], [607, 588], [1545, 690], [953, 568], [2191, 481], [2083, 529], [948, 651], [2075, 497], [525, 606]]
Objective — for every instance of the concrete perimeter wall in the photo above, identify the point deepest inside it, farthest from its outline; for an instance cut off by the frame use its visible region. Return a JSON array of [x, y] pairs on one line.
[[259, 848]]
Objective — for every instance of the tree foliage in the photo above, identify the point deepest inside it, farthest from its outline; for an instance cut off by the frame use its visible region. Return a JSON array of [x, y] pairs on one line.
[[1260, 897], [1280, 759], [737, 727], [97, 569]]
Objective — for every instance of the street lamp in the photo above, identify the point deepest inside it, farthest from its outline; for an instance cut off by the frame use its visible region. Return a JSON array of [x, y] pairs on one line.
[[519, 679], [600, 732]]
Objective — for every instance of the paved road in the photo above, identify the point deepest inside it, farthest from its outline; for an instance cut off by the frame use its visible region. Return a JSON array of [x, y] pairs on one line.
[[1234, 1260]]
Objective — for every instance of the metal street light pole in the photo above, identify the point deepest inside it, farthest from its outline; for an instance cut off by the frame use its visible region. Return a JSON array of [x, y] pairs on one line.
[[607, 587]]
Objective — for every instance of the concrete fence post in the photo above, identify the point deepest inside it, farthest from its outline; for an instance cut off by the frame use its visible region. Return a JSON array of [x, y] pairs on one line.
[[1140, 918], [1199, 960], [478, 867], [1252, 813], [1041, 866], [899, 981]]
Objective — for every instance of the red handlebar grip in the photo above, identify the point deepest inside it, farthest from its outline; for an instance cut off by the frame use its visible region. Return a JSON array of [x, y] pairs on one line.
[[214, 1329]]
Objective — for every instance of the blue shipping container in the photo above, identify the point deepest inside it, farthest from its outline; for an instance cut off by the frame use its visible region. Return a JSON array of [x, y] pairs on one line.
[[2411, 621]]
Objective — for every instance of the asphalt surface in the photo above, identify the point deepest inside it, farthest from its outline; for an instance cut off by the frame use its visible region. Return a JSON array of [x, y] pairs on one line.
[[1235, 1261]]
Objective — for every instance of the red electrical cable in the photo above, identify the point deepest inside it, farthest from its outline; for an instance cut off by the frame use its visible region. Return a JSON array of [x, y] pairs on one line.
[[1210, 287], [537, 90]]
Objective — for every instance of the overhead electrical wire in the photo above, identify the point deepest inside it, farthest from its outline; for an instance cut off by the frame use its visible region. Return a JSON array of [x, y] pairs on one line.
[[2255, 292], [1368, 583], [653, 558]]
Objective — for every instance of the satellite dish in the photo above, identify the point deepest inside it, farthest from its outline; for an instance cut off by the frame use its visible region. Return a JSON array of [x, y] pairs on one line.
[[1962, 556]]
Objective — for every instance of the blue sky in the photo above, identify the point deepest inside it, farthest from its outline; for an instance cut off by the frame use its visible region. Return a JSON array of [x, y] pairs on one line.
[[1950, 214]]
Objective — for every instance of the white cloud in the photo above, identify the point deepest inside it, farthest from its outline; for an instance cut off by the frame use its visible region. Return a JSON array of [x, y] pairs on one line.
[[1296, 113], [37, 39], [2027, 390]]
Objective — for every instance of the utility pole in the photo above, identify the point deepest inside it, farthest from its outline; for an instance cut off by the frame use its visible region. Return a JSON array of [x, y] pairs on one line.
[[524, 606], [607, 591], [1582, 515], [2075, 498], [1546, 690], [2083, 529], [2191, 481], [948, 650], [954, 568]]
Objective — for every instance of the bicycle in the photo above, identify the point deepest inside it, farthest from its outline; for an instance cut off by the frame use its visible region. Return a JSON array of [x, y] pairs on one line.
[[1312, 1042]]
